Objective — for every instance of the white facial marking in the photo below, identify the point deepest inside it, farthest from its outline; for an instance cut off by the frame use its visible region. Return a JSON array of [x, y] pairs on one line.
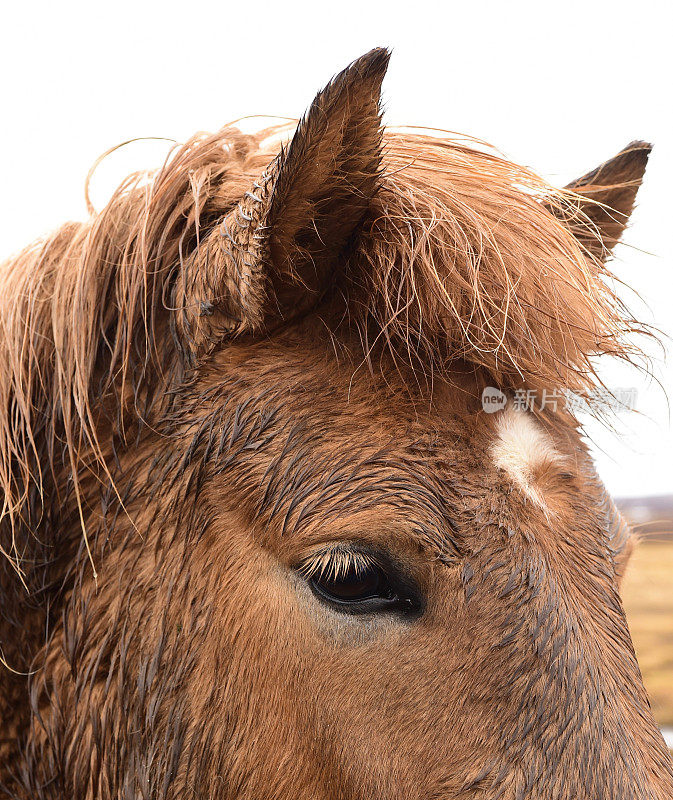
[[521, 448]]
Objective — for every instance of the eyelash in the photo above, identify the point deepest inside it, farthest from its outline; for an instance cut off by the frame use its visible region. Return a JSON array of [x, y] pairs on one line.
[[332, 575], [336, 562]]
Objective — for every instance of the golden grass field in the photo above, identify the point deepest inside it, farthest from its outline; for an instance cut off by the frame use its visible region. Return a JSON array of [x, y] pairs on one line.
[[648, 598]]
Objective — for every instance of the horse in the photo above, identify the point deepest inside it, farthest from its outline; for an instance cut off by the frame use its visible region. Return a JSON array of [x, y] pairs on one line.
[[262, 535]]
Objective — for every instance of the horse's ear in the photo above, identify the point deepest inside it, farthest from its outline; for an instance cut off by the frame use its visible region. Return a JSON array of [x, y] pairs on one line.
[[275, 254], [605, 197], [325, 182]]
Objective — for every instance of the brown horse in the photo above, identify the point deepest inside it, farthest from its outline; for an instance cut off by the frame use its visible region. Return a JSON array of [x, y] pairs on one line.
[[261, 539]]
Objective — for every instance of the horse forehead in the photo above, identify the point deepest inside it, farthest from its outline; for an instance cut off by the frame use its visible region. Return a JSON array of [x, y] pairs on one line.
[[445, 435]]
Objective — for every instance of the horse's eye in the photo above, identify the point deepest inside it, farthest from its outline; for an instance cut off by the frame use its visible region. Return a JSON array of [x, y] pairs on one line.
[[353, 587], [361, 591], [355, 579]]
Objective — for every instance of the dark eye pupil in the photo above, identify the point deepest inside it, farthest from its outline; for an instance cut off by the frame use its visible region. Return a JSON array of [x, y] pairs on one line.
[[365, 588], [355, 586]]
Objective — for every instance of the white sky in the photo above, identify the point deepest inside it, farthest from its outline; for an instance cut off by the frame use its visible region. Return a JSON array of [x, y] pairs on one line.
[[559, 87]]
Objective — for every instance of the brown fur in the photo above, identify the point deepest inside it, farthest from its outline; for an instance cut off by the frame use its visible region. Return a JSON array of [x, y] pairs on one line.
[[240, 369]]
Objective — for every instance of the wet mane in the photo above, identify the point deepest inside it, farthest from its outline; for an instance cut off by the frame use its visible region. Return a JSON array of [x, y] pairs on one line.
[[472, 257], [463, 255]]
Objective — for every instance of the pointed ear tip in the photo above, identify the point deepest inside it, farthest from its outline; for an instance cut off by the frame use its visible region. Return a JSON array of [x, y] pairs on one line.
[[638, 152], [375, 62], [640, 145]]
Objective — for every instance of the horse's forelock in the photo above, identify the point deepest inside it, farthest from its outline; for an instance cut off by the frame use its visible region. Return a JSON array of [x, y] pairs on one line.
[[459, 257], [468, 256]]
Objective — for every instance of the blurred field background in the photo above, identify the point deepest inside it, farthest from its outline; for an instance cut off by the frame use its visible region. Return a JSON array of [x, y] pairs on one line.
[[648, 598]]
